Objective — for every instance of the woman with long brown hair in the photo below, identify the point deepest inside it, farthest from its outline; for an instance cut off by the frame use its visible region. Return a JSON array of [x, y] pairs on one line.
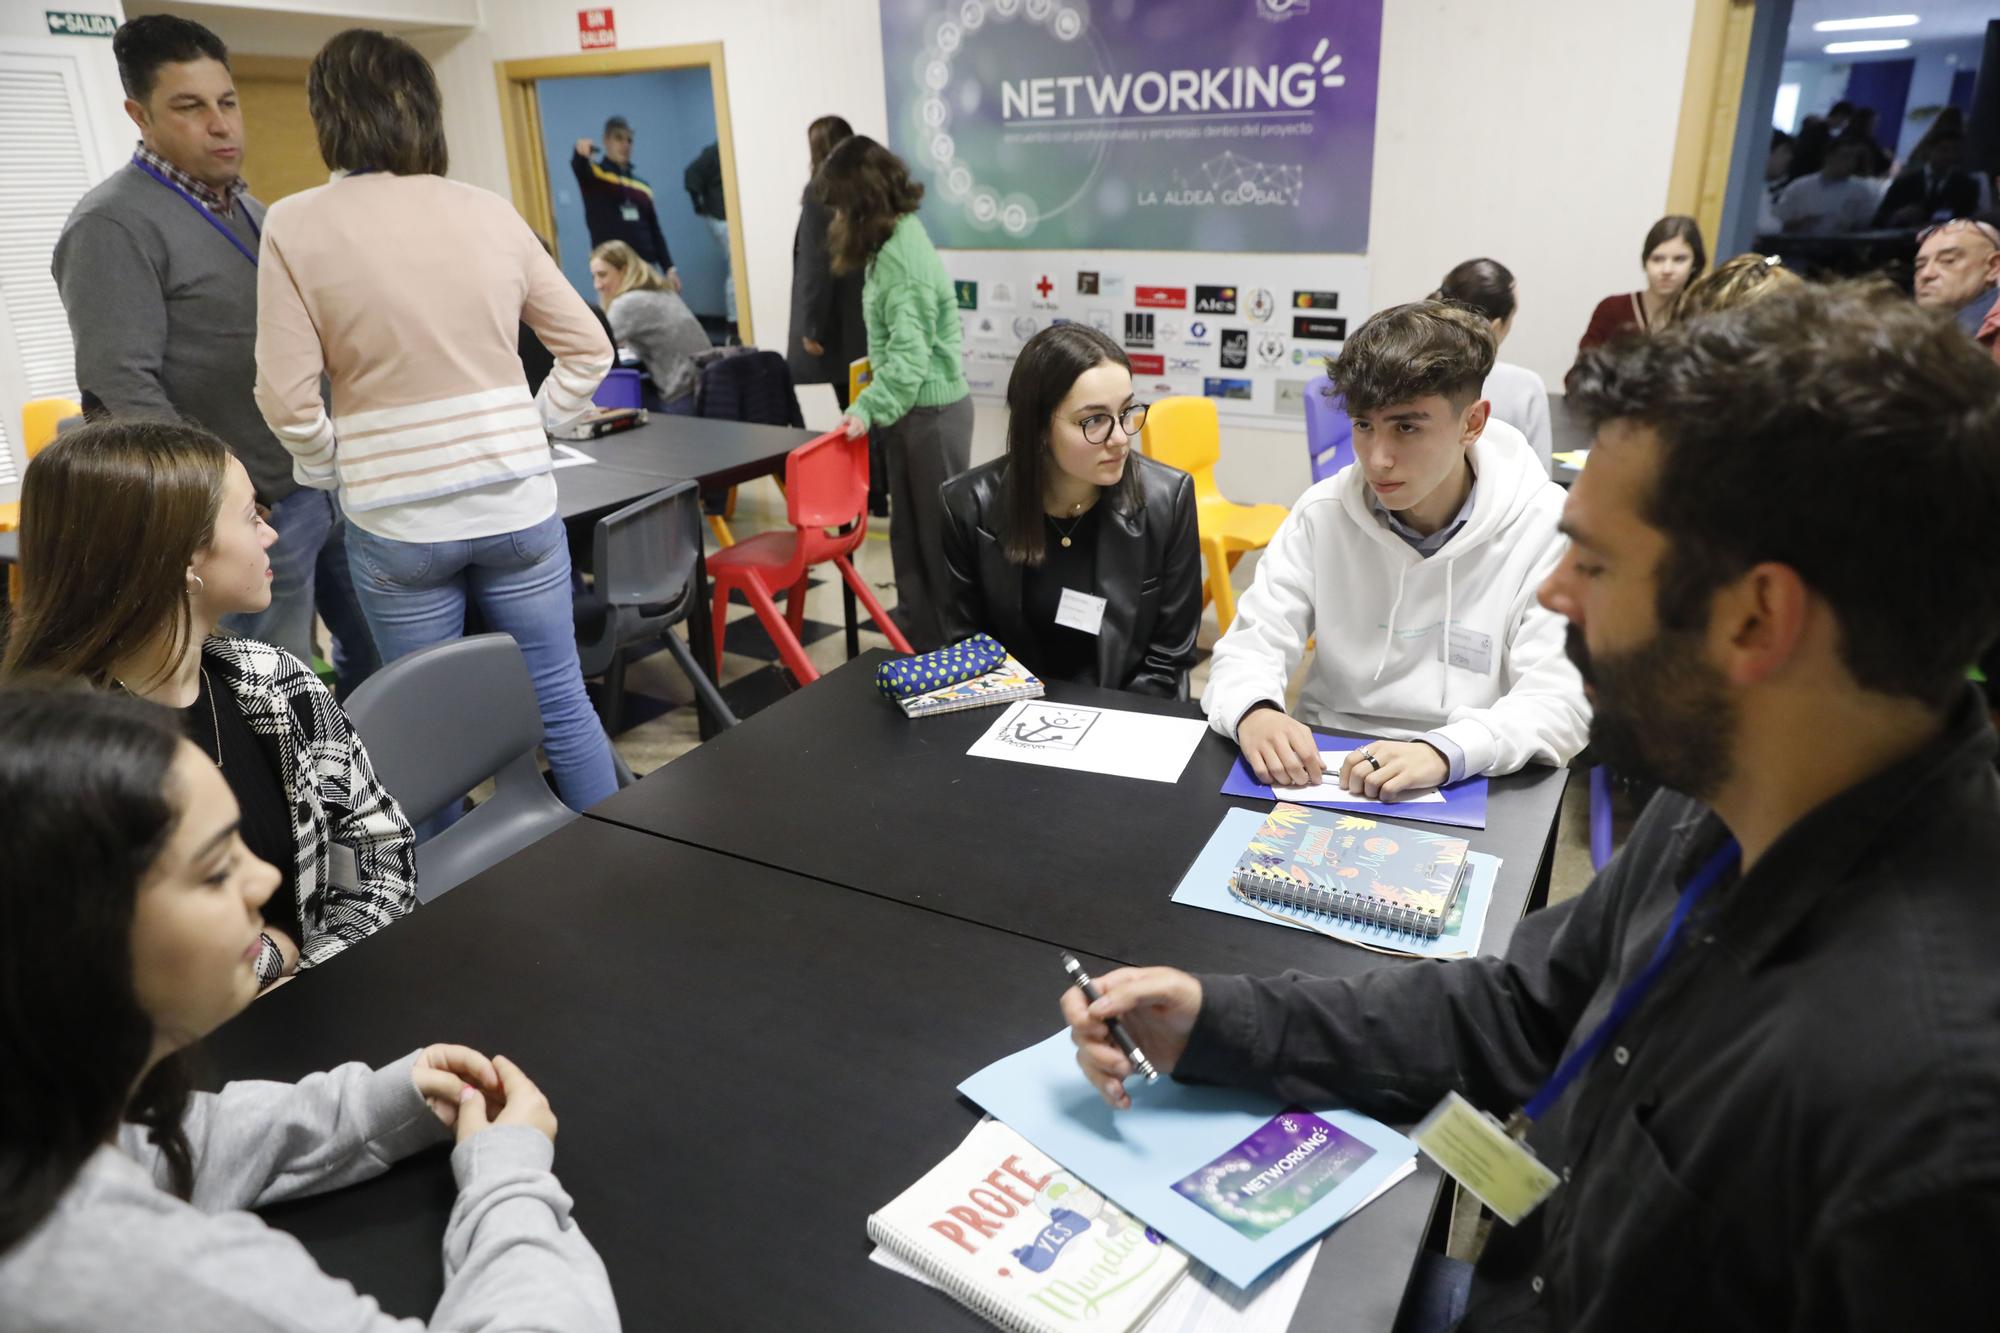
[[918, 400], [1073, 548], [137, 538], [1672, 257], [129, 929]]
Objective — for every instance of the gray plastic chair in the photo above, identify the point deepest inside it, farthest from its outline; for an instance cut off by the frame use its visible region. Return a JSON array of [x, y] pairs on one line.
[[440, 722], [643, 558]]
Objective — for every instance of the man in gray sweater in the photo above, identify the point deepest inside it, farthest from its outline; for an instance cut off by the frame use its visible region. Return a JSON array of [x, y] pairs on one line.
[[157, 268]]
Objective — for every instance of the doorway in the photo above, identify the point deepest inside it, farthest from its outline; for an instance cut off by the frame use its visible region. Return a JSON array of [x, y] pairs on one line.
[[675, 100]]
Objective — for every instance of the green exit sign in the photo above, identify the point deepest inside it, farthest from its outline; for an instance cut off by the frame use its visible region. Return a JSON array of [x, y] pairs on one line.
[[69, 23]]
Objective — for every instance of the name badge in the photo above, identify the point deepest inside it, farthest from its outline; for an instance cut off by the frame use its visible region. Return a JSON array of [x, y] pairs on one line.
[[1476, 1150], [1080, 611], [630, 212], [1470, 649]]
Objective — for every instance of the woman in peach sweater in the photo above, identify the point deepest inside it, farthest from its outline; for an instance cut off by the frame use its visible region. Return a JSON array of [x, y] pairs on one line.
[[406, 290]]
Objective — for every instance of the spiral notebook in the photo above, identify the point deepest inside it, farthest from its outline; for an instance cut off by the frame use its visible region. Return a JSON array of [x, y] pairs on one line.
[[1015, 1238], [1004, 684], [1351, 866]]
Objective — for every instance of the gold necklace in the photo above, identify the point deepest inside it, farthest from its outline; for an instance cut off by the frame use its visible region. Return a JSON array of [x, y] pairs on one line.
[[1074, 524]]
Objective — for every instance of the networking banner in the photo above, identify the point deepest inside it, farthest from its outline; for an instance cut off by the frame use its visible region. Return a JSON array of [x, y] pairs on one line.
[[1226, 126], [1250, 331]]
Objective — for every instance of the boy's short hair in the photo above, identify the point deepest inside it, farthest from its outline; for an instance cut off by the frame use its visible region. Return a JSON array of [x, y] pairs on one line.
[[1412, 351]]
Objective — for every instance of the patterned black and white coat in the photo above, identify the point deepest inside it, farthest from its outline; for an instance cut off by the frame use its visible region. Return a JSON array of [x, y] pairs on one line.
[[357, 866]]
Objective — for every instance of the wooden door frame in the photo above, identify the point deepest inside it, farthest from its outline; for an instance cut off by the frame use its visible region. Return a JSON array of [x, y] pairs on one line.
[[1711, 99], [521, 125]]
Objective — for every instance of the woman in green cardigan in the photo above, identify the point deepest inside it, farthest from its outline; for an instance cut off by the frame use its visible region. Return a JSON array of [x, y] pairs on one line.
[[917, 402]]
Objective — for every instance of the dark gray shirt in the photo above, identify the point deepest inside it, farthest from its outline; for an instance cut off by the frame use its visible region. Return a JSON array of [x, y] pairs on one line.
[[1798, 1129], [163, 313]]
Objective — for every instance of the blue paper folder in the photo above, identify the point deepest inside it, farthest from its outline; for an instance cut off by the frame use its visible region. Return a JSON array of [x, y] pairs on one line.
[[1170, 1160]]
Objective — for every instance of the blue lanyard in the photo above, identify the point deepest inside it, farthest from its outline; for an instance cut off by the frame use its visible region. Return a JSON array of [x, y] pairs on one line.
[[202, 209], [1628, 998]]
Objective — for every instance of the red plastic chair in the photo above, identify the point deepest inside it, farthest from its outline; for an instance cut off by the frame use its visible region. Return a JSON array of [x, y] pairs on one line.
[[826, 487]]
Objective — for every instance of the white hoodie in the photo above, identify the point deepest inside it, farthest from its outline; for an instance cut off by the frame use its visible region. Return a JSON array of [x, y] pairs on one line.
[[1379, 610]]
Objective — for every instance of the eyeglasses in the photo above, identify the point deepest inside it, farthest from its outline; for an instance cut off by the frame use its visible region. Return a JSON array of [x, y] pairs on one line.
[[1097, 429], [1986, 229]]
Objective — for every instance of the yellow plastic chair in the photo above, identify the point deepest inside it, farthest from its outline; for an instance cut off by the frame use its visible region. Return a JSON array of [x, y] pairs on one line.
[[38, 426], [1185, 433]]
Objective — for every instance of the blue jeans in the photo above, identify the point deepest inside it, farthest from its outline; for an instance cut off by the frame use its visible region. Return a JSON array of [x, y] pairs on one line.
[[415, 595], [309, 571]]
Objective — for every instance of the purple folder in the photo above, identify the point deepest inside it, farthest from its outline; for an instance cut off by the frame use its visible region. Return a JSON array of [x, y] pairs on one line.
[[1464, 802]]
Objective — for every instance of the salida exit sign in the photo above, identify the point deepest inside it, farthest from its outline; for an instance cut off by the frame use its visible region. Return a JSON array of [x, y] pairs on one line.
[[596, 29]]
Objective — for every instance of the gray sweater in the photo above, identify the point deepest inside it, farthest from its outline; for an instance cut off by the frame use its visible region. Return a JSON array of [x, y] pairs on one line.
[[163, 313], [120, 1252], [665, 334]]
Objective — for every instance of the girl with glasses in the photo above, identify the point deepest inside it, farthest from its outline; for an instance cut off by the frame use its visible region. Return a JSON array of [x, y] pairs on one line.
[[1073, 549]]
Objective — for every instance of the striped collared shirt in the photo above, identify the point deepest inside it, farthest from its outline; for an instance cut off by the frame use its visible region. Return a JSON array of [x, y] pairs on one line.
[[221, 202]]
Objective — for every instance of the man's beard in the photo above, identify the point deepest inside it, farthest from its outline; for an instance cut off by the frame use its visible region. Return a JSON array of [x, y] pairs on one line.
[[1662, 714]]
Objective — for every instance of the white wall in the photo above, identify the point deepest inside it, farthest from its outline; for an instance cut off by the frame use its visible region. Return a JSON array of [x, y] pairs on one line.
[[1539, 132]]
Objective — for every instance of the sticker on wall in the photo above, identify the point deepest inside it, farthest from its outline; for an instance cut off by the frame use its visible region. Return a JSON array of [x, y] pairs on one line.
[[1184, 365], [1086, 284], [1138, 329], [1260, 305], [1239, 390], [1045, 288], [1000, 294], [1288, 397], [596, 29], [1170, 330], [1160, 298], [1271, 348], [1316, 300], [1235, 349], [1102, 321], [1197, 334], [967, 293], [1025, 326], [1215, 300], [1147, 363], [1322, 327]]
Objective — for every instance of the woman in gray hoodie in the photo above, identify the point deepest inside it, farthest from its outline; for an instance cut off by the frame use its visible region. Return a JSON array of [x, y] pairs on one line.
[[129, 928]]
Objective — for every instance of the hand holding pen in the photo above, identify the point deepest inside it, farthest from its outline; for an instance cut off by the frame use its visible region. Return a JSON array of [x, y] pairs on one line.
[[1133, 1020]]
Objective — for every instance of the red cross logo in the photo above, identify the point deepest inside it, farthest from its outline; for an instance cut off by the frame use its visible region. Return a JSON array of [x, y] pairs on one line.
[[1045, 286]]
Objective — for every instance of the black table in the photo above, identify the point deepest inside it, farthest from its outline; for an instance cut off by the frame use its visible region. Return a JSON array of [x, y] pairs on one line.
[[633, 464], [835, 783], [744, 1063]]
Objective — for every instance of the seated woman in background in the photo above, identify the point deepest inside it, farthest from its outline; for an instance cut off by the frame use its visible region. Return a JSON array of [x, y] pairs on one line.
[[1517, 394], [647, 316], [129, 919], [1673, 257], [1073, 549], [137, 538]]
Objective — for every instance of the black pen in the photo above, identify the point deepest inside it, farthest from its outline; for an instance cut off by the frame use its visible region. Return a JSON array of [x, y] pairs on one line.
[[1118, 1033]]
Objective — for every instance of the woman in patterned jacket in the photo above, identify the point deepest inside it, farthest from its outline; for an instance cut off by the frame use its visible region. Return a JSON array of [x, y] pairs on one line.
[[137, 538]]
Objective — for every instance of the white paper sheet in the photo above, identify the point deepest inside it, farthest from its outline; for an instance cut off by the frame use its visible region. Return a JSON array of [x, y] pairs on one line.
[[569, 457], [1329, 789], [1092, 740], [1204, 1302]]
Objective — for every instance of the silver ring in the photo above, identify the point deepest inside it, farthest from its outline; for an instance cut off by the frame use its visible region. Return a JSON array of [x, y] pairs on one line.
[[1373, 760]]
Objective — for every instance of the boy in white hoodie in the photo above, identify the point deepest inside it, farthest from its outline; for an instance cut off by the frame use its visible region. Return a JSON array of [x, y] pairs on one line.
[[1416, 568]]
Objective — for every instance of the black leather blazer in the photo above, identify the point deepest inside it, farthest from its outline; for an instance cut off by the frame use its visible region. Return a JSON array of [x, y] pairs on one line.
[[1148, 573]]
